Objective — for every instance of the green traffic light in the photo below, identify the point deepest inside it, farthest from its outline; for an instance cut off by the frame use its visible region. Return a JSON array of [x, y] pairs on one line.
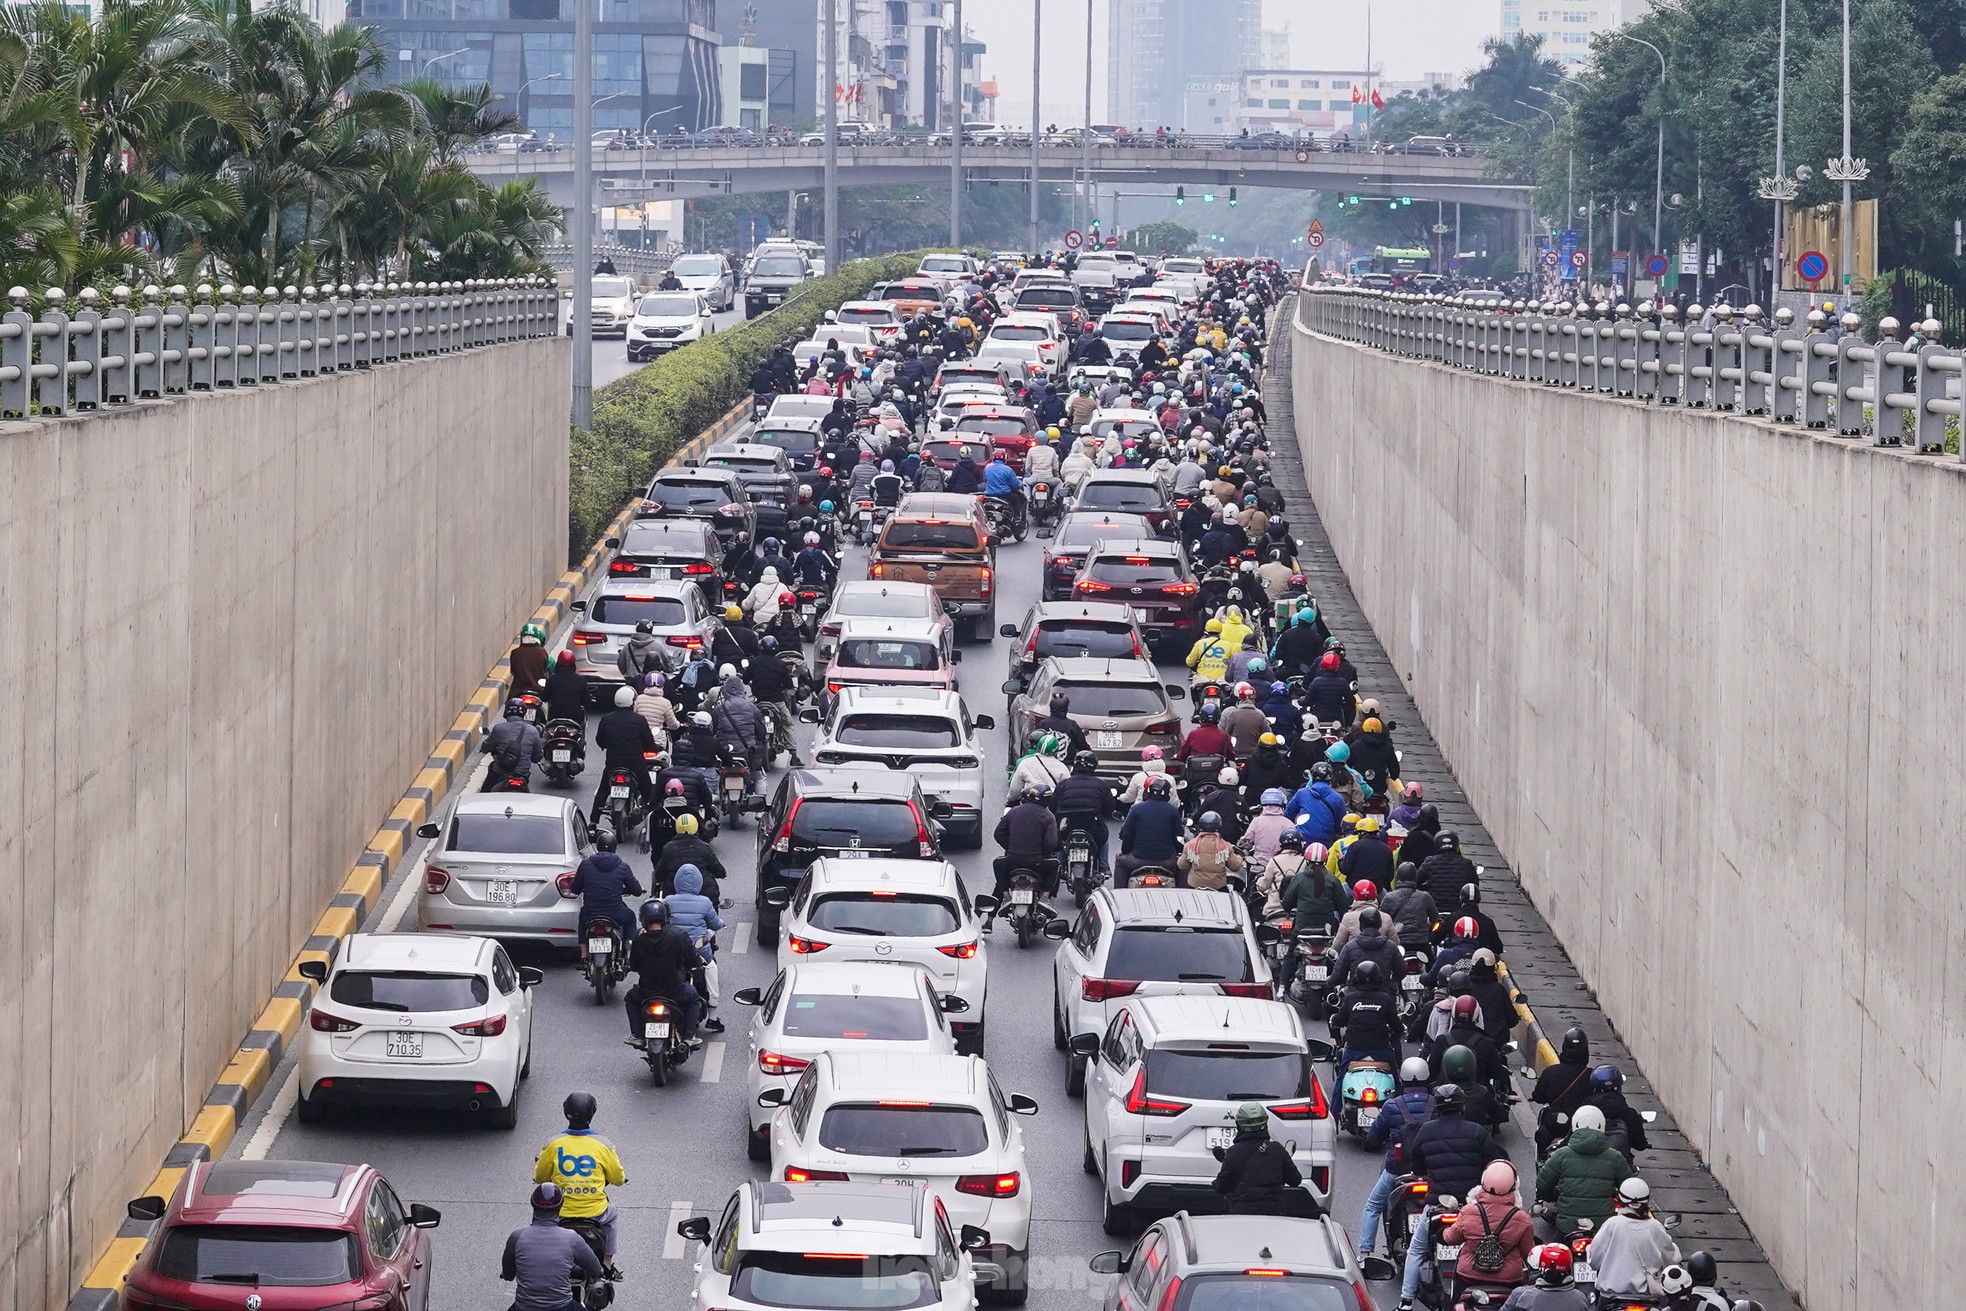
[[1208, 196]]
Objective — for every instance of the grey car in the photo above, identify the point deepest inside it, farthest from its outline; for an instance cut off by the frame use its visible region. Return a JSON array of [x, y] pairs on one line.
[[605, 622], [768, 477], [502, 865], [872, 598], [1240, 1261], [1121, 705]]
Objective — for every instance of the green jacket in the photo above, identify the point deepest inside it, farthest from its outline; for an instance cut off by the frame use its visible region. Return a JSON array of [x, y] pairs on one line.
[[1582, 1178], [1299, 896]]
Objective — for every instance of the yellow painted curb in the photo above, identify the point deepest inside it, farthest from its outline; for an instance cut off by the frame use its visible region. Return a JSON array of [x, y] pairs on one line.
[[115, 1263]]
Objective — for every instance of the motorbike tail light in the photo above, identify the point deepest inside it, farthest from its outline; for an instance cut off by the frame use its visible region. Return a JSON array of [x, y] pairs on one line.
[[565, 884], [1580, 1247], [1088, 585], [805, 946], [783, 842], [323, 1022], [435, 880], [583, 637], [656, 1009], [619, 778], [686, 640], [990, 1185], [795, 1174], [1260, 991], [699, 568], [772, 1062], [959, 950], [1369, 1097], [489, 1027], [1107, 989]]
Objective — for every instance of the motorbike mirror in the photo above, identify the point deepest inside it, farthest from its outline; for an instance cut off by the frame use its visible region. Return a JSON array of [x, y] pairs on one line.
[[772, 1098], [316, 970], [1669, 1221], [424, 1217], [611, 542], [778, 898], [748, 996], [1022, 1105], [1007, 630], [146, 1208], [696, 1229], [809, 715], [1084, 1044], [975, 1238], [1267, 935], [531, 976], [1107, 1263], [954, 1006], [428, 831], [755, 803], [1320, 1049], [986, 722], [1378, 1269], [985, 903], [1013, 687], [1057, 930], [1176, 691]]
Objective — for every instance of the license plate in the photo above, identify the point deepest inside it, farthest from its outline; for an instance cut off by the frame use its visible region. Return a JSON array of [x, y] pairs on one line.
[[656, 1029], [599, 946], [807, 610], [1221, 1138], [504, 892], [667, 575], [408, 1046], [1366, 1115], [618, 793], [850, 853], [562, 757], [1447, 1252], [1110, 739], [1411, 983], [1022, 896], [733, 787], [1581, 1271], [1317, 973]]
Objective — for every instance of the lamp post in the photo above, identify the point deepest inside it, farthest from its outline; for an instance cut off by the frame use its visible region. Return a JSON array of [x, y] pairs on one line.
[[1037, 70], [1846, 170], [1780, 187], [956, 136], [1570, 176], [448, 54], [1085, 144], [582, 213], [645, 137], [832, 179], [1659, 168]]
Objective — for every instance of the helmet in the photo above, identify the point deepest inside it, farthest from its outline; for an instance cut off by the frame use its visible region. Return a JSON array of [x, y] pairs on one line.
[[1634, 1194], [1447, 840], [1213, 626], [1085, 762], [1430, 816], [1208, 714], [1457, 1063], [771, 546], [1366, 973], [1470, 896], [1372, 725], [1365, 890], [1587, 1117], [623, 698], [564, 660], [1050, 744], [532, 635], [1269, 740], [579, 1108], [733, 613], [1274, 797], [1576, 1047], [645, 626], [1251, 1115], [547, 1197], [1060, 703], [1406, 874], [685, 825], [604, 839], [726, 671], [1227, 776], [826, 507], [1328, 662], [1552, 1262], [654, 912], [1244, 692], [513, 708], [1150, 753], [1160, 788], [1459, 983], [1034, 794], [1448, 1097], [1498, 1180], [1210, 822], [1465, 1008], [1338, 753], [700, 719], [1414, 1071], [1466, 927], [811, 539], [1290, 840], [1700, 1265], [1315, 853], [768, 643], [673, 788], [1321, 771], [1411, 792], [1674, 1279], [1605, 1078], [1368, 824]]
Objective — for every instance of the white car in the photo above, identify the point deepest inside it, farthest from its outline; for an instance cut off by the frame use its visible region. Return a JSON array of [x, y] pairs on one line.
[[1150, 942], [817, 1006], [951, 270], [927, 731], [874, 598], [1023, 356], [1041, 330], [893, 912], [709, 276], [1162, 1088], [665, 320], [878, 316], [611, 304], [1129, 333], [503, 865], [797, 406], [869, 1117], [872, 1246], [417, 1019], [957, 397], [806, 353]]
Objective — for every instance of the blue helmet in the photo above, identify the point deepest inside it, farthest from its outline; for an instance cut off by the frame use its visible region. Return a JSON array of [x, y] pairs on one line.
[[1274, 797], [654, 913], [1338, 753]]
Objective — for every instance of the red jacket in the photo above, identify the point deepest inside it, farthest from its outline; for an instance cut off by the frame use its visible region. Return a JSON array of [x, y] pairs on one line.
[[1205, 740], [1517, 1232]]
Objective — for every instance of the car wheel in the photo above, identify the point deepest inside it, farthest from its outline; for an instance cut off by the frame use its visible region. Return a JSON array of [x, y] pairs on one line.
[[1089, 1163], [310, 1112], [1015, 1286], [1075, 1076], [1115, 1218], [506, 1116], [767, 930], [1059, 1038], [757, 1145]]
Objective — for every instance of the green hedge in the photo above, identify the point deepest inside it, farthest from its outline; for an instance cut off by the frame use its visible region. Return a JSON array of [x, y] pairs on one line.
[[643, 419]]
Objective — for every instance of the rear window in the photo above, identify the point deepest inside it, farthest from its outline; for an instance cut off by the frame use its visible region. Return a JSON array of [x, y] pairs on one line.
[[796, 441], [644, 539], [1176, 954], [944, 264], [1118, 496], [1265, 1293], [831, 1015], [258, 1254], [1084, 639], [685, 497], [835, 823], [990, 376], [896, 731], [1008, 426], [929, 534], [1112, 700], [743, 464], [883, 914], [1127, 331], [875, 653], [1228, 1076], [1019, 332], [1134, 569], [1082, 532], [658, 610], [867, 316], [885, 1129], [393, 990], [864, 1283], [1050, 298], [780, 266], [517, 835], [882, 605]]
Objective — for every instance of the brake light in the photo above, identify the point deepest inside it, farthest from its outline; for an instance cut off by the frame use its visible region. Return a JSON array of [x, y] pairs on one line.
[[585, 638], [1369, 1096], [1313, 1107], [783, 842], [959, 950], [565, 884], [1165, 728], [624, 567], [435, 880], [489, 1027], [322, 1022], [656, 1008], [805, 946], [922, 838], [1107, 989], [1421, 1187], [772, 1063], [1260, 991], [699, 568], [877, 571], [685, 640], [1180, 589], [1088, 585], [986, 580], [1267, 1274], [833, 687], [989, 1185], [1173, 1293], [1363, 1295], [797, 1175]]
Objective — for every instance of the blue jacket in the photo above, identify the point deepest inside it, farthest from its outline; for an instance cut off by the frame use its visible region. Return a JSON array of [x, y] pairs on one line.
[[603, 881], [1413, 1106], [1451, 957], [1152, 831], [689, 910], [1317, 808], [999, 479], [1283, 713]]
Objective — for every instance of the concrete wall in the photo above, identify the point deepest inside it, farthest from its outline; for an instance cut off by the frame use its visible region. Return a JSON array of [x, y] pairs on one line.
[[1696, 673], [235, 625]]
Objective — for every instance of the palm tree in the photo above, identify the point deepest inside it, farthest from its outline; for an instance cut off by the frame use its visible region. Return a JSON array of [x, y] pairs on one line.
[[454, 119]]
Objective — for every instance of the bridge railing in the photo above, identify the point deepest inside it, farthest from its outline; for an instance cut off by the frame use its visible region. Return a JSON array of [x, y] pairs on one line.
[[631, 145], [135, 345], [1895, 391]]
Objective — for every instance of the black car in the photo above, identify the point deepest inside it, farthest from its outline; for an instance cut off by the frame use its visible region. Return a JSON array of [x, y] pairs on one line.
[[1129, 491], [1078, 532], [1268, 141], [866, 813], [672, 549], [768, 478], [716, 496]]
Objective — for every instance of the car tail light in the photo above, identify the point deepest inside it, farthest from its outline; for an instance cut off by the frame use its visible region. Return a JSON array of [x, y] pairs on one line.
[[772, 1063], [1063, 567], [1172, 1297], [959, 950], [584, 638], [699, 568], [1088, 585], [985, 585], [798, 1175], [565, 884], [877, 571], [1321, 1178], [833, 687], [1179, 589], [1363, 1294], [990, 1185], [1164, 728], [323, 1022], [1260, 991], [923, 839], [435, 880], [686, 640], [783, 842], [1139, 1103], [1313, 1107], [625, 567], [805, 946], [489, 1027], [1267, 1273], [1107, 989]]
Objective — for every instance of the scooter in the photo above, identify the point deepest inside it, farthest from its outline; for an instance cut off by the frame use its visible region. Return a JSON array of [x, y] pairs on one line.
[[605, 962], [1313, 968], [1046, 508], [593, 1294], [506, 780], [662, 1038], [811, 601], [1008, 518], [1414, 1001], [566, 750], [733, 780], [529, 702], [624, 804], [1365, 1087], [1027, 914], [1082, 871]]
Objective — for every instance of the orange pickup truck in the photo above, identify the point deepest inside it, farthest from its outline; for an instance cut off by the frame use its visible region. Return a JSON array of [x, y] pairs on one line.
[[943, 539]]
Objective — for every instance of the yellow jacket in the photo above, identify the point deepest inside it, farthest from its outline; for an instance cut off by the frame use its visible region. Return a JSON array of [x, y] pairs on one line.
[[1209, 658], [583, 1164]]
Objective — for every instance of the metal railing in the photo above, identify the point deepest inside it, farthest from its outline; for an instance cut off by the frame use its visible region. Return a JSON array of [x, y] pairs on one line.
[[1892, 392], [132, 346]]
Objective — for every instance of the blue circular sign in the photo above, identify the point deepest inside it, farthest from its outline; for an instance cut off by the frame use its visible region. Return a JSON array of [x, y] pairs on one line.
[[1813, 266], [1656, 266]]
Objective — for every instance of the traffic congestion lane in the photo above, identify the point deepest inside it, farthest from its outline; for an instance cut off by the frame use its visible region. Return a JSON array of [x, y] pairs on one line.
[[683, 1144], [611, 353]]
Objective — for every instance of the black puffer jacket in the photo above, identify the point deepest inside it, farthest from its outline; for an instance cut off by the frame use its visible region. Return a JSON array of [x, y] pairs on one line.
[[1254, 1169], [1372, 945], [1083, 794], [1451, 1151], [1413, 911], [1444, 873]]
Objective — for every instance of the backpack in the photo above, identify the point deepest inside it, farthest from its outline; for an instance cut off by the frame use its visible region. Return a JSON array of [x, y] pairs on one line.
[[1489, 1253]]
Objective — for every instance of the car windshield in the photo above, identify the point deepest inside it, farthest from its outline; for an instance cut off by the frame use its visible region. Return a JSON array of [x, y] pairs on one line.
[[662, 611], [929, 534], [831, 1015], [1115, 700], [1134, 570], [992, 426], [883, 914], [887, 653], [1245, 1292], [667, 307], [835, 1283], [409, 990], [883, 605], [612, 288], [1019, 332], [882, 730], [1228, 1076], [794, 441], [845, 824], [272, 1255], [780, 266], [1179, 953], [1082, 638], [903, 1129], [689, 266], [1048, 298], [1118, 496], [515, 835], [688, 496]]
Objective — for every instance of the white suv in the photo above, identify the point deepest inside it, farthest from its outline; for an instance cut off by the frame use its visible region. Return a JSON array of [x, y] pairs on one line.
[[1150, 942], [942, 1120], [1162, 1088], [869, 1245], [927, 731]]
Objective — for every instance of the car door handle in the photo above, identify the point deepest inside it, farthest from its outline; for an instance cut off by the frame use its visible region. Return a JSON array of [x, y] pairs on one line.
[[417, 1264]]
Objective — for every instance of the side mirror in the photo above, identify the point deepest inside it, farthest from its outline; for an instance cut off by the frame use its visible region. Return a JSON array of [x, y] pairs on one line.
[[1013, 687], [1267, 935], [1107, 1263], [696, 1229], [578, 607], [748, 996], [1022, 1105], [611, 542], [1320, 1049], [777, 898], [754, 804], [316, 970], [986, 722], [955, 657], [1378, 1269], [954, 1006], [984, 903], [150, 1207], [975, 1238], [428, 831], [1177, 692], [1083, 1044], [424, 1217], [809, 715], [1007, 630], [1057, 930], [772, 1098], [531, 976]]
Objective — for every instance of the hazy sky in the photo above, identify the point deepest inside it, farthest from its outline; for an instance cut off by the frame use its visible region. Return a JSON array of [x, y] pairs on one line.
[[1409, 37]]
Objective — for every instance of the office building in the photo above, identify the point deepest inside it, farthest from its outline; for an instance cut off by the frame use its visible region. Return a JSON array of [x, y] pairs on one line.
[[1296, 101], [1165, 57], [893, 69], [1567, 26]]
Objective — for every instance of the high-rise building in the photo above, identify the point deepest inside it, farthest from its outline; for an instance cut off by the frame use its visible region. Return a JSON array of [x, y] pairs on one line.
[[1160, 50], [1295, 101], [893, 60], [1567, 26]]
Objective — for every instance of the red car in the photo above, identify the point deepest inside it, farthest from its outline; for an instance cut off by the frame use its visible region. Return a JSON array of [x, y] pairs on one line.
[[282, 1236], [1012, 429]]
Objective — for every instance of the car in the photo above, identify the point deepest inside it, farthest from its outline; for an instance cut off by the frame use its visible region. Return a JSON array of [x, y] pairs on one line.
[[961, 371], [815, 1006], [806, 353], [1129, 943], [502, 866], [1431, 146], [1080, 136], [1151, 575], [892, 653], [950, 269], [799, 437], [683, 620], [948, 448], [847, 134], [1120, 704], [869, 1245], [716, 496], [1268, 141], [726, 137], [878, 316], [866, 1116], [927, 731], [769, 479], [709, 276], [1011, 429], [1162, 1086], [798, 406], [417, 1019], [1188, 265], [959, 398], [671, 550], [1117, 424], [872, 597], [1103, 630], [857, 814], [910, 295], [775, 275], [895, 912], [665, 320], [1026, 358], [1128, 334], [1128, 491], [1040, 330], [611, 305], [1060, 300], [1078, 532], [1249, 1261], [942, 539], [311, 1233]]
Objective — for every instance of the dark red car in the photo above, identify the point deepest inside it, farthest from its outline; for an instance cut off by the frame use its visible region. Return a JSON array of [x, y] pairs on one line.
[[1152, 576], [282, 1236], [1012, 429]]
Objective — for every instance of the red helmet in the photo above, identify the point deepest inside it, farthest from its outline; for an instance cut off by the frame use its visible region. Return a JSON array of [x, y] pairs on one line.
[[1465, 927], [1328, 662], [564, 660], [1365, 890], [1552, 1262], [1465, 1007], [786, 598], [1244, 692]]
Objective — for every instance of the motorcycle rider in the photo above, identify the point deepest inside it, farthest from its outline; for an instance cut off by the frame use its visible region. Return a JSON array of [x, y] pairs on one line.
[[774, 686], [1206, 738], [630, 744], [1456, 953], [1554, 1288], [1000, 480], [1330, 698], [1561, 1089], [1408, 809], [1465, 1031], [1209, 656], [527, 661], [1580, 1179], [1043, 767], [514, 745], [1084, 800], [735, 644], [544, 1259], [640, 655], [1060, 721], [1422, 837], [1631, 1247], [1705, 1294], [661, 959], [1367, 1014], [1256, 1169], [1495, 997], [813, 566], [657, 709], [1486, 934], [565, 693], [1028, 834], [1208, 858], [696, 751], [1408, 906], [1245, 722], [1151, 832], [1224, 797], [1286, 720], [1267, 828], [1450, 1152], [1317, 807], [604, 882], [688, 848], [693, 911], [1371, 944], [1493, 1212], [740, 725], [1443, 873], [1369, 859], [1374, 756], [1624, 1127], [584, 1165], [1399, 1117], [1365, 896]]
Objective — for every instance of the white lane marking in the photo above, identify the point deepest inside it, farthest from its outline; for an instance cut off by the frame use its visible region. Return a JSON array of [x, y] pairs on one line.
[[740, 943], [713, 1063], [673, 1245], [274, 1120]]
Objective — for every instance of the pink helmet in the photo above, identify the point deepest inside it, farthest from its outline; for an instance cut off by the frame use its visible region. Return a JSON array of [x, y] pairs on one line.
[[1151, 753], [1498, 1180]]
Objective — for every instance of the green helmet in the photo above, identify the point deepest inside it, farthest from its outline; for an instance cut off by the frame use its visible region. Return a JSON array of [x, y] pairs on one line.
[[1457, 1065], [1051, 744], [533, 634], [1251, 1115]]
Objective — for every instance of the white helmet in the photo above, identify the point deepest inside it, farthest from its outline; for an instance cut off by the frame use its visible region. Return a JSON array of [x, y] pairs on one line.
[[1228, 777], [1588, 1117], [726, 671], [1634, 1194], [1674, 1279], [701, 719], [1415, 1070], [812, 539], [624, 697]]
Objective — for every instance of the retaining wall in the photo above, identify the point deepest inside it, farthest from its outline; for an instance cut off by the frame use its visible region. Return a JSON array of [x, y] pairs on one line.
[[1695, 674], [235, 624]]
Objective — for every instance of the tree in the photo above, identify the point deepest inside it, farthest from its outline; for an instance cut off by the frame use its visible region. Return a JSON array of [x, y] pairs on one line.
[[1163, 238]]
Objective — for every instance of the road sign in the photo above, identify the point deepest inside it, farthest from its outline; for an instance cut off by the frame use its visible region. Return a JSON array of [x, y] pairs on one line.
[[1303, 157], [1112, 243], [1578, 259], [1454, 266], [1316, 237], [1550, 259], [1074, 239], [1812, 266], [1656, 266]]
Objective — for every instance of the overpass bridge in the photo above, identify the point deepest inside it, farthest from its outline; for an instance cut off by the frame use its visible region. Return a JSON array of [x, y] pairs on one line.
[[627, 175]]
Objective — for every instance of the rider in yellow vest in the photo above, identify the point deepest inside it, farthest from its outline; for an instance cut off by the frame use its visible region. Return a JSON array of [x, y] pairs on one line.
[[1209, 657], [583, 1164]]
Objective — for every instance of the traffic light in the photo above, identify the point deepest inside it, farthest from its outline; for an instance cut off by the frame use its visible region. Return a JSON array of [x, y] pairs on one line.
[[1406, 200], [1208, 196], [1180, 195], [1232, 196], [1392, 204]]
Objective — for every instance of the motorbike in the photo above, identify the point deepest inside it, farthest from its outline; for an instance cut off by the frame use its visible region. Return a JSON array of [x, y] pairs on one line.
[[565, 741], [605, 962], [662, 1036], [1009, 519], [1206, 694], [868, 519], [1197, 776], [1414, 1000], [1404, 1208], [811, 600], [531, 703], [1313, 968], [624, 805], [506, 780], [1080, 853], [733, 782], [593, 1294], [1153, 876], [1363, 1089], [1021, 906], [1046, 507], [760, 404]]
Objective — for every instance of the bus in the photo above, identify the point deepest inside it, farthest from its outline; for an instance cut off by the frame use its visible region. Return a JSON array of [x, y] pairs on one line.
[[1393, 261]]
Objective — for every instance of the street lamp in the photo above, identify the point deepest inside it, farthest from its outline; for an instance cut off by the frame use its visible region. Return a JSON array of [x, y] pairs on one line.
[[645, 137], [1570, 176], [1779, 188], [1846, 170], [448, 54], [1659, 169]]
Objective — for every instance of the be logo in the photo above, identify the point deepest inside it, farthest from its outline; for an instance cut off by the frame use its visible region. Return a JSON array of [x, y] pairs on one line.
[[580, 1166]]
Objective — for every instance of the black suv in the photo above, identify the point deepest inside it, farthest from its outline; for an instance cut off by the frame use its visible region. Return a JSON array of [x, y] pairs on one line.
[[716, 496], [678, 550], [841, 812], [768, 478]]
